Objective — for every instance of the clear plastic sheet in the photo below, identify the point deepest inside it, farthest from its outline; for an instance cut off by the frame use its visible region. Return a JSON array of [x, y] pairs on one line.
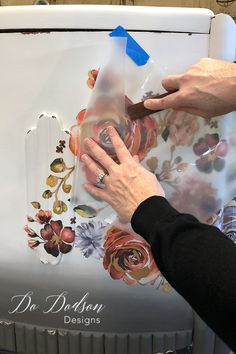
[[190, 156], [193, 158], [98, 231], [106, 107]]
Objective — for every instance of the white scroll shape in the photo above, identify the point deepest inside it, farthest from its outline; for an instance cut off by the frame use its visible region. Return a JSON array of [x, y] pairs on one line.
[[49, 169]]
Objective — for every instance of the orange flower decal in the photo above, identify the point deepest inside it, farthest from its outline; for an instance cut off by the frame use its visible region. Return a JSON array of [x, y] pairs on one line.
[[139, 136], [129, 257]]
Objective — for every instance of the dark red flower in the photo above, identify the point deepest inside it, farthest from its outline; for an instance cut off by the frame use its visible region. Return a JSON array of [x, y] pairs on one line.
[[62, 143], [196, 196], [73, 220], [33, 243], [59, 149], [30, 232], [210, 150], [129, 257], [43, 216], [58, 239]]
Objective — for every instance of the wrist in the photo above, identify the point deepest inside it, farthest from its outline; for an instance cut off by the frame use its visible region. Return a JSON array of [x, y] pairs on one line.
[[151, 210]]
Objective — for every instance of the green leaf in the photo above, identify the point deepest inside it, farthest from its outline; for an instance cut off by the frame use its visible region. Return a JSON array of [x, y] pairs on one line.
[[166, 165], [178, 159], [85, 211], [165, 134], [52, 181], [66, 187], [152, 163], [36, 205], [59, 207], [47, 194], [64, 207], [182, 167], [58, 165]]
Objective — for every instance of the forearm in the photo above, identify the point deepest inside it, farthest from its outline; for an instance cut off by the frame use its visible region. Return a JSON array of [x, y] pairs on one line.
[[197, 259]]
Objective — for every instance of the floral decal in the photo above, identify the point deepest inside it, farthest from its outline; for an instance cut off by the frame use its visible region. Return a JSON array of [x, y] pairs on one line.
[[43, 216], [58, 166], [211, 151], [89, 238], [92, 76], [180, 128], [225, 220], [129, 257], [168, 169], [125, 255], [195, 196], [139, 136], [55, 238]]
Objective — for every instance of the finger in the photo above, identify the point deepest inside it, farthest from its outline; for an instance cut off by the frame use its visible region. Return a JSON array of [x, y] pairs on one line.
[[171, 82], [121, 150], [97, 192], [170, 101], [99, 154], [92, 166], [136, 158]]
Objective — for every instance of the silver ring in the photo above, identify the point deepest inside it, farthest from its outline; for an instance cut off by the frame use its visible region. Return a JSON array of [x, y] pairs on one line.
[[101, 177]]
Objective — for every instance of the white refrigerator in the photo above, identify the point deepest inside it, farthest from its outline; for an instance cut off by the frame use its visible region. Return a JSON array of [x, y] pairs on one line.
[[70, 280]]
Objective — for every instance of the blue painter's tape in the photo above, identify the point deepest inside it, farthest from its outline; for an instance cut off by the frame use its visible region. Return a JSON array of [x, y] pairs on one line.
[[133, 49]]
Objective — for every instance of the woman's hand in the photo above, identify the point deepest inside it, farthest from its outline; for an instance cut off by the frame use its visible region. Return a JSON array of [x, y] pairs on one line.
[[126, 184], [207, 89]]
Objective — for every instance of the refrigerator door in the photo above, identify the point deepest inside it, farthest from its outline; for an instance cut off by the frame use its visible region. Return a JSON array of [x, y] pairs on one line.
[[48, 66]]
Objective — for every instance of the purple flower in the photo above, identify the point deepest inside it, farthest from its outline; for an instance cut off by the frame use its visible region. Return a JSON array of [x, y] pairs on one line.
[[89, 239]]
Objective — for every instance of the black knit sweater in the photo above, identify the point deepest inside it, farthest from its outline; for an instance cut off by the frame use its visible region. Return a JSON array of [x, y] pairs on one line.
[[198, 260]]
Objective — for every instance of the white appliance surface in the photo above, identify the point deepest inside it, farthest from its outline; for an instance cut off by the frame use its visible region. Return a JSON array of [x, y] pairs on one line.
[[47, 72]]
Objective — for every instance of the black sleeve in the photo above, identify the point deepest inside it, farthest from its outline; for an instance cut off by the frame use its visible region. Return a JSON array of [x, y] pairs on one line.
[[198, 260]]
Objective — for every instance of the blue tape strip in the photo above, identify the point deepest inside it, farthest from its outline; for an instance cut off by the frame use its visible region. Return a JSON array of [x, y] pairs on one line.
[[133, 49]]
